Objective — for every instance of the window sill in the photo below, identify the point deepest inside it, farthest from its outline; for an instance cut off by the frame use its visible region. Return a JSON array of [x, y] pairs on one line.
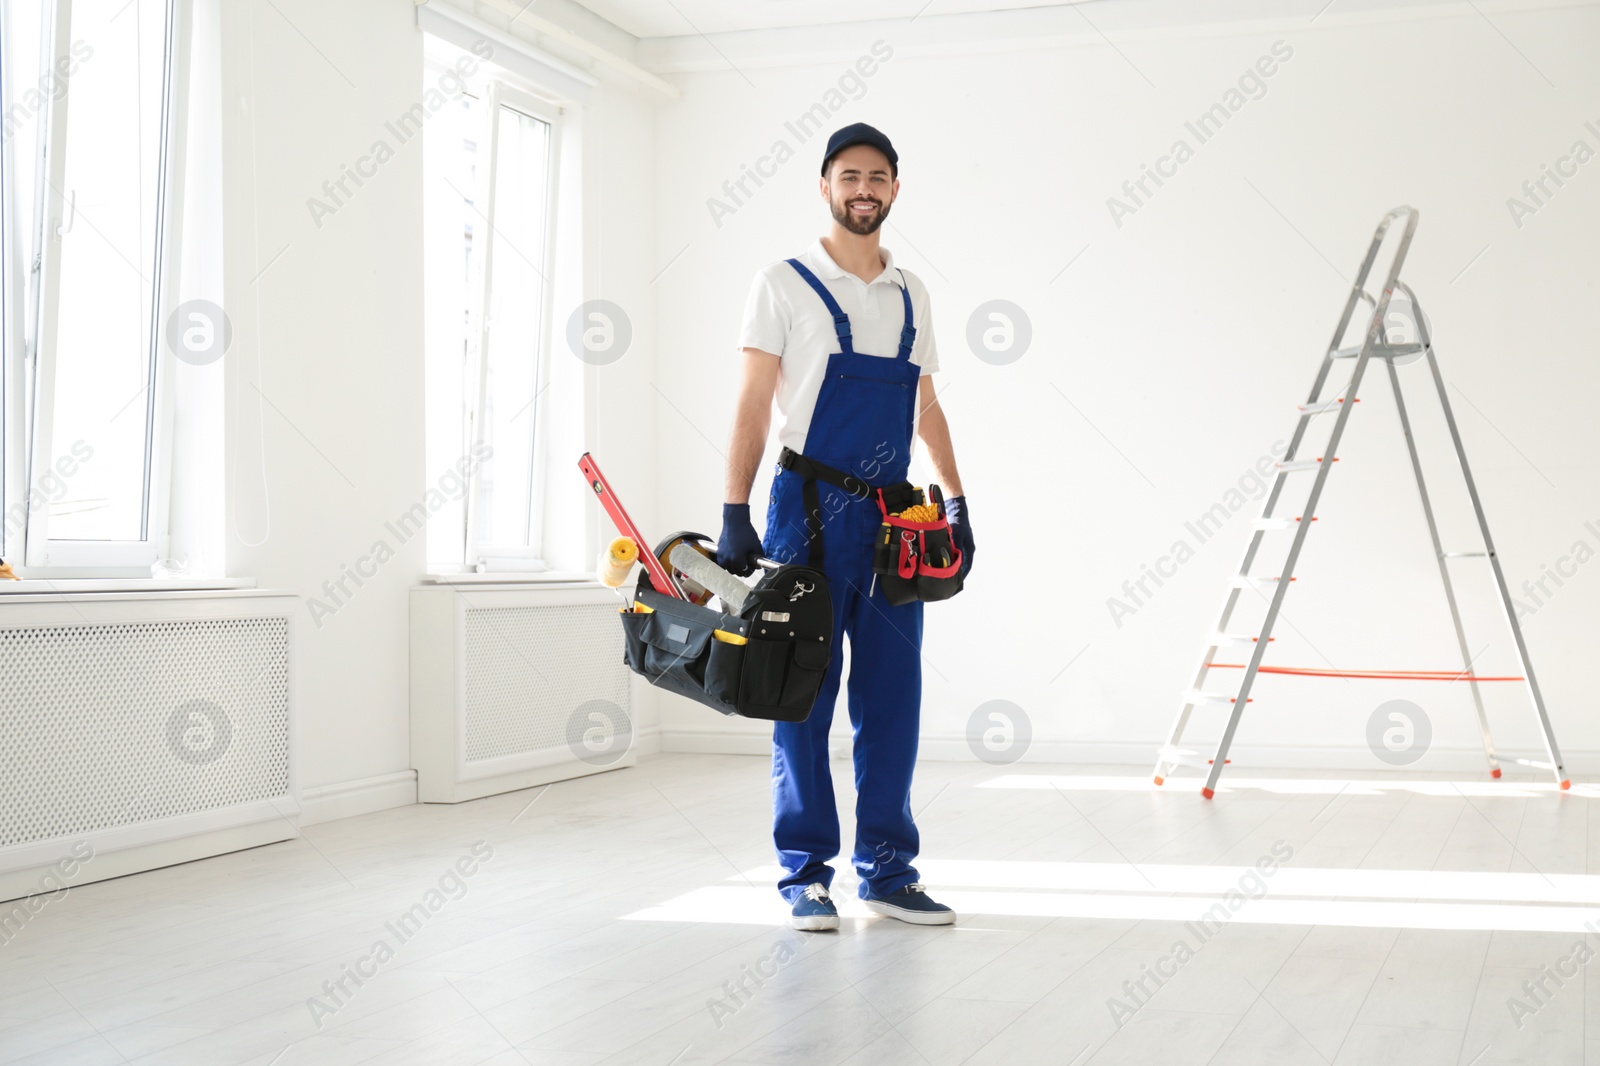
[[72, 586], [553, 578]]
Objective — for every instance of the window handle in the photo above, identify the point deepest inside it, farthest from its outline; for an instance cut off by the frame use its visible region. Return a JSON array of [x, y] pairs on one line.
[[62, 229]]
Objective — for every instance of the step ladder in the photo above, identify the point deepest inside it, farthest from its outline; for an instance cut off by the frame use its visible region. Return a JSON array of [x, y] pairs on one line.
[[1375, 344]]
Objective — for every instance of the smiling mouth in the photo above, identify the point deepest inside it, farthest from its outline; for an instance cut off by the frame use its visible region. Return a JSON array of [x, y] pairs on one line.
[[864, 206]]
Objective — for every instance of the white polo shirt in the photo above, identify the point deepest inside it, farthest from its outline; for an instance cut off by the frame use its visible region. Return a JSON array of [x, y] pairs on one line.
[[785, 316]]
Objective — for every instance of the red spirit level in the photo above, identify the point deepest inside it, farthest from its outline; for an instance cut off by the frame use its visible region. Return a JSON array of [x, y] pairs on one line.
[[660, 579]]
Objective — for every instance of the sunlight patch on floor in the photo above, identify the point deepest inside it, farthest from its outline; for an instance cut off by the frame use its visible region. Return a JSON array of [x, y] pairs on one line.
[[1292, 786], [743, 905]]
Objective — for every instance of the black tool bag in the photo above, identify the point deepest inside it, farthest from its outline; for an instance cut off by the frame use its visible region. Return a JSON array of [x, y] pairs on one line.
[[766, 662]]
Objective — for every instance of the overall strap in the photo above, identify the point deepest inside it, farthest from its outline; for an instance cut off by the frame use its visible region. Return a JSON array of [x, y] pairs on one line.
[[908, 332], [841, 321]]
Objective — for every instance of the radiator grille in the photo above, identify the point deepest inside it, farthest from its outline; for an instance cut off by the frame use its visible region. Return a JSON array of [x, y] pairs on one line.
[[104, 725], [529, 670]]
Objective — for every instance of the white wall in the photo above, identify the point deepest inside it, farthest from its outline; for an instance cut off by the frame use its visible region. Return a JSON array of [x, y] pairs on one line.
[[325, 377], [1183, 338]]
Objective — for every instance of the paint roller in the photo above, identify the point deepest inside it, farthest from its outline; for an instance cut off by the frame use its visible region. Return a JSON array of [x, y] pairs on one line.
[[694, 564], [616, 562]]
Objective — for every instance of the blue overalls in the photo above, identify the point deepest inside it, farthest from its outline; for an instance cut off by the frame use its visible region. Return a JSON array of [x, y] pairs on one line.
[[862, 424]]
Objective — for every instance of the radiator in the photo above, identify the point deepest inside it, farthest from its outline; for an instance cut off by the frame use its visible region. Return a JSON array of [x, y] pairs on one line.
[[515, 686], [141, 729]]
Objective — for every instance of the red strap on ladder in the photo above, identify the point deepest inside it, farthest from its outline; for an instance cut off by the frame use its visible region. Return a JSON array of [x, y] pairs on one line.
[[1377, 675]]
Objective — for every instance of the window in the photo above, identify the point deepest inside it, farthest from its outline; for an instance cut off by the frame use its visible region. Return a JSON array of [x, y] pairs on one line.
[[489, 207], [88, 226]]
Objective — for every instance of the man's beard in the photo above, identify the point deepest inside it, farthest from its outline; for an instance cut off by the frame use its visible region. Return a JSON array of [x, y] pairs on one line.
[[846, 218]]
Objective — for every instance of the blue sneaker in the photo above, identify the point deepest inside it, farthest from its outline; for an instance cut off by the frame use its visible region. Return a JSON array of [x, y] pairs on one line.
[[814, 911], [911, 904]]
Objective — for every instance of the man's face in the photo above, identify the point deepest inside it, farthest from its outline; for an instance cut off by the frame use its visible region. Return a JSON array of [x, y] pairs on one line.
[[860, 188]]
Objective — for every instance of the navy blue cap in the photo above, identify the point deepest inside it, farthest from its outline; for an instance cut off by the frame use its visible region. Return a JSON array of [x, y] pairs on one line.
[[859, 133]]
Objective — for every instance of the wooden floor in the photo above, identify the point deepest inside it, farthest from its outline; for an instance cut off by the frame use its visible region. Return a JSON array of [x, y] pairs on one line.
[[630, 918]]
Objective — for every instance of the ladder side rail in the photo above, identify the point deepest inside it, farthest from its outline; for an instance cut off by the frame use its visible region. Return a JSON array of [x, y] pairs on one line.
[[1165, 764], [1276, 605], [1302, 424], [1357, 293], [1181, 721], [1225, 618], [1330, 452], [1358, 289], [1506, 606], [1439, 559]]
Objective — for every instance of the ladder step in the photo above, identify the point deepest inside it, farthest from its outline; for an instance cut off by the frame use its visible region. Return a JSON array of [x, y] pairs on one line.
[[1323, 406], [1464, 555], [1228, 640], [1537, 765], [1264, 584], [1295, 466], [1380, 351], [1268, 524], [1195, 696]]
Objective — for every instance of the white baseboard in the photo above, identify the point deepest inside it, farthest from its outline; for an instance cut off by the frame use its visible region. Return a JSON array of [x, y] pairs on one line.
[[367, 795], [647, 742], [108, 862], [346, 799], [953, 748], [715, 742]]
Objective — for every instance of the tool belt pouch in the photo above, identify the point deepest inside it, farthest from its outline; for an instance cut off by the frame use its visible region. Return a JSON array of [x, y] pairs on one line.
[[766, 662], [915, 560]]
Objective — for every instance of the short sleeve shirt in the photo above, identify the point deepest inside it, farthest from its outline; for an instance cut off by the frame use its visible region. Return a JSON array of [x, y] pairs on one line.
[[785, 316]]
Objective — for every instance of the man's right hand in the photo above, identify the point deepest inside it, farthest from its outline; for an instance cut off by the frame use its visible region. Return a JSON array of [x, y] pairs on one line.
[[740, 544]]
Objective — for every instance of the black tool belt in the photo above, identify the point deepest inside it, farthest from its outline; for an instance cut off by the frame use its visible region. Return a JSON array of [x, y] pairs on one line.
[[895, 497]]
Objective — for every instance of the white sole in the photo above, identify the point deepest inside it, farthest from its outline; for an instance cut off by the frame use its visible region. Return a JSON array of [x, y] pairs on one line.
[[914, 917], [816, 923]]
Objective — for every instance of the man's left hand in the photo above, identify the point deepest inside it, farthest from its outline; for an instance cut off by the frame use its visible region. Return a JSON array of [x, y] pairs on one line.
[[955, 509]]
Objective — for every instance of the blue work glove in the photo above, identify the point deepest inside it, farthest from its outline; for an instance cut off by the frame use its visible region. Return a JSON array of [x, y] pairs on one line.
[[955, 509], [740, 544]]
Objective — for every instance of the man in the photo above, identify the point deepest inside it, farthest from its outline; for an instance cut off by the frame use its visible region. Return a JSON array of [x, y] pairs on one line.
[[843, 340]]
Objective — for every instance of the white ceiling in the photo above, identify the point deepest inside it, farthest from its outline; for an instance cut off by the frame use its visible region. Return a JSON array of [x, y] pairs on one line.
[[676, 18], [692, 18]]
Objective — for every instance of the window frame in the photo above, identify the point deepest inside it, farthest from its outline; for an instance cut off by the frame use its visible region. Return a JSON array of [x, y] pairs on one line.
[[496, 91], [29, 438], [14, 272]]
